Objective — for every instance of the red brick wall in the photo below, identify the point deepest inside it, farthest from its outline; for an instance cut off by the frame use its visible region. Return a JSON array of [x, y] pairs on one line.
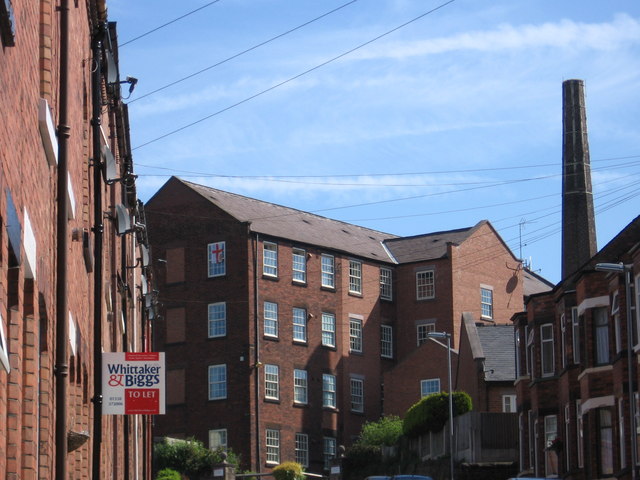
[[30, 71]]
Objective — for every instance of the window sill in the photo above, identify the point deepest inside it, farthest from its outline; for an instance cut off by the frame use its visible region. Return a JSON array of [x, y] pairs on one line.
[[356, 353], [330, 347], [272, 400], [330, 409], [328, 289], [355, 294], [302, 343], [271, 338], [271, 278], [300, 405], [299, 283]]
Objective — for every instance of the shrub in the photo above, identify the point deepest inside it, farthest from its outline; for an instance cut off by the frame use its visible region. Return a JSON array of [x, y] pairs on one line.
[[168, 474], [386, 431], [288, 471], [189, 457], [431, 412]]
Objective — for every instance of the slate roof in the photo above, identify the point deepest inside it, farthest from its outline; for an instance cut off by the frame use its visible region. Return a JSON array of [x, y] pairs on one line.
[[534, 283], [498, 346], [284, 222], [429, 246]]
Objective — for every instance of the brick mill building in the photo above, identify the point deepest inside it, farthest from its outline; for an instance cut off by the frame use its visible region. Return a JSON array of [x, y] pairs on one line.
[[285, 331], [70, 285]]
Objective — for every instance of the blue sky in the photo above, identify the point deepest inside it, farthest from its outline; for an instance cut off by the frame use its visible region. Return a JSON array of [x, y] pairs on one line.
[[404, 116]]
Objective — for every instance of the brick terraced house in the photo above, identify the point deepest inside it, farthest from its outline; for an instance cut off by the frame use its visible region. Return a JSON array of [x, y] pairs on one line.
[[574, 351], [67, 291], [285, 331]]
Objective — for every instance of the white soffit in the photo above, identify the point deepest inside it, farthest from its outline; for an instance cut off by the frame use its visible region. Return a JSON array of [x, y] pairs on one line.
[[30, 248], [47, 132]]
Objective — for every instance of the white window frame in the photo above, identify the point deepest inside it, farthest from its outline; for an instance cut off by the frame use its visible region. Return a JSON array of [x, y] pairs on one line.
[[603, 452], [355, 277], [329, 393], [601, 336], [580, 433], [217, 381], [272, 445], [386, 341], [386, 283], [221, 435], [270, 259], [550, 434], [422, 329], [213, 267], [427, 386], [486, 302], [302, 449], [518, 348], [299, 265], [563, 339], [426, 284], [328, 329], [617, 321], [328, 451], [622, 443], [270, 319], [299, 325], [300, 387], [328, 275], [357, 395], [271, 382], [547, 342], [509, 404], [355, 335], [575, 334], [217, 319], [636, 286]]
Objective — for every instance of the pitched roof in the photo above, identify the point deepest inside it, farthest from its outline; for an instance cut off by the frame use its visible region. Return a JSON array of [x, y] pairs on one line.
[[429, 246], [284, 222], [498, 346]]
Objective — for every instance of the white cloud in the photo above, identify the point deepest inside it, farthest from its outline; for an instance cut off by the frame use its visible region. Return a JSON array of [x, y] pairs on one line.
[[623, 30]]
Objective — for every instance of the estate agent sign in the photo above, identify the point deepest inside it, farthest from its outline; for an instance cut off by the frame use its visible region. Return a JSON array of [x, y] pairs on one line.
[[133, 383]]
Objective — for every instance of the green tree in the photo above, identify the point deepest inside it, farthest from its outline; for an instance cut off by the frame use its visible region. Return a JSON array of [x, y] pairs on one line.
[[385, 431], [430, 413]]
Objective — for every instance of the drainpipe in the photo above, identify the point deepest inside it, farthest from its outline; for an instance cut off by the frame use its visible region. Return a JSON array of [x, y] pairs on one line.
[[98, 228], [256, 352], [62, 320]]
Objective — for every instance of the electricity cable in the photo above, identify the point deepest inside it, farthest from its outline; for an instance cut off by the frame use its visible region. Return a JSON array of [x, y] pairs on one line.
[[291, 79], [240, 53]]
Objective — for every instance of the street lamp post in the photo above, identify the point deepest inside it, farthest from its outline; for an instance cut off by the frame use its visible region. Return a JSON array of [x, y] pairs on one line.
[[441, 335], [626, 269]]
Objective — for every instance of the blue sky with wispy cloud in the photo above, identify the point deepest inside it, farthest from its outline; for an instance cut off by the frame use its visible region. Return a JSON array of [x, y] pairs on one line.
[[404, 116]]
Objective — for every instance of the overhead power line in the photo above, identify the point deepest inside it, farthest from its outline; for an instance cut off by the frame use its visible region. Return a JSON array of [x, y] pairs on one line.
[[167, 24], [241, 53], [295, 77]]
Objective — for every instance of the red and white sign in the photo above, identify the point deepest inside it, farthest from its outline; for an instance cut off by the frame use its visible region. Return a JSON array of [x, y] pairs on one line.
[[133, 383]]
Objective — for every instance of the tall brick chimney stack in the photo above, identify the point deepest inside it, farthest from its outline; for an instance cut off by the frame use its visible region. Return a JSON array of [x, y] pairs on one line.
[[578, 218]]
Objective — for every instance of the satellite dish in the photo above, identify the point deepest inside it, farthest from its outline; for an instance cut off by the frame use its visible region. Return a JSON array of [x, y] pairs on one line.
[[112, 69], [144, 251], [143, 281], [110, 171], [124, 221]]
